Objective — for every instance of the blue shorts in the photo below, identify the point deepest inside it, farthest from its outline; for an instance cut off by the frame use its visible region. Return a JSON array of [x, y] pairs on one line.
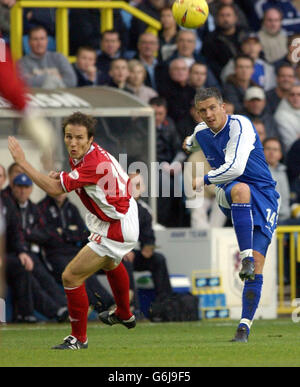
[[265, 207]]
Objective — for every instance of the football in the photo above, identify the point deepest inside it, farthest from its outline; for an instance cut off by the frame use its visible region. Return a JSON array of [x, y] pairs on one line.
[[190, 13]]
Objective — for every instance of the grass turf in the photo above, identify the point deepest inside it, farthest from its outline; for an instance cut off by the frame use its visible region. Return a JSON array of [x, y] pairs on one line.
[[272, 343]]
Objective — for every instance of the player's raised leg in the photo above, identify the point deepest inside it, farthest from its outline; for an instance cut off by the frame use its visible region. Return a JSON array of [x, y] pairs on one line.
[[86, 263]]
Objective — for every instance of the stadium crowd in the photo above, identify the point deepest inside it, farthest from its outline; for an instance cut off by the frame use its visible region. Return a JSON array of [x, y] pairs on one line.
[[250, 50]]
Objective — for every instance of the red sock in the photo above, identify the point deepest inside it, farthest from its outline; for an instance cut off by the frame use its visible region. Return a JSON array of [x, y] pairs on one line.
[[119, 283], [78, 305]]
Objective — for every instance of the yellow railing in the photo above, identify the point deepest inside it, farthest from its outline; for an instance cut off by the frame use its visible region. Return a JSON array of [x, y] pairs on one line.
[[62, 22], [293, 233]]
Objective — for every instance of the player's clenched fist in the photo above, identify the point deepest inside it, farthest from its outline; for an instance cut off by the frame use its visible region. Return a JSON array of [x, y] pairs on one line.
[[186, 145], [54, 175]]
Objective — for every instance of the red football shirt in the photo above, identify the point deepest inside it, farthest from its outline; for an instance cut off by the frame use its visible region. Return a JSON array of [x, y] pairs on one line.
[[102, 185]]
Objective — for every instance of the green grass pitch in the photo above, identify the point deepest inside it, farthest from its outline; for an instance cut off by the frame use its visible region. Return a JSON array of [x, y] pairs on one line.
[[272, 343]]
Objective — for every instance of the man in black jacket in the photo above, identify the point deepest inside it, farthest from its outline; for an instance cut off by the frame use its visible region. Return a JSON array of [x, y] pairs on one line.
[[48, 296], [223, 43], [170, 206], [85, 68], [67, 234], [18, 264]]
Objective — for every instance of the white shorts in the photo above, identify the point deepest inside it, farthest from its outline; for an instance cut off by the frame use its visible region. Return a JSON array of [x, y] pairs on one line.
[[104, 246]]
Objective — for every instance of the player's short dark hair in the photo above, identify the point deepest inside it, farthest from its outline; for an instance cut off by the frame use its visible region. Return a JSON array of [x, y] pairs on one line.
[[203, 94], [272, 7], [243, 56], [107, 32], [36, 28], [268, 139], [222, 6], [81, 119], [115, 60], [158, 101], [11, 168], [86, 48], [282, 66]]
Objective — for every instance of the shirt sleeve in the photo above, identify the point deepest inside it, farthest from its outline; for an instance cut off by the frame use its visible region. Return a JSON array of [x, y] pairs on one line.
[[192, 143], [241, 142], [92, 172], [80, 177]]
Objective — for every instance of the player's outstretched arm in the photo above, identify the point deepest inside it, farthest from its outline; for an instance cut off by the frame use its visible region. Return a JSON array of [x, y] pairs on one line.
[[52, 186]]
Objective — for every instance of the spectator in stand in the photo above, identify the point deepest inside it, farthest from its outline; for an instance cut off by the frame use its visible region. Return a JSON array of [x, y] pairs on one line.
[[241, 17], [237, 83], [288, 117], [42, 68], [285, 79], [177, 91], [85, 28], [147, 47], [224, 43], [272, 37], [293, 55], [264, 73], [170, 156], [290, 11], [260, 128], [298, 73], [12, 171], [66, 234], [186, 46], [49, 298], [273, 154], [167, 35], [85, 68], [255, 107], [207, 214], [146, 258], [45, 17], [110, 49], [198, 75], [187, 124], [118, 74], [138, 27], [135, 81], [5, 6], [293, 170], [229, 107], [18, 264]]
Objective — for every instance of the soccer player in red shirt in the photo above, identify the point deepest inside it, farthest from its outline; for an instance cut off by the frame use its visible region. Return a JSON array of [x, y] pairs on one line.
[[112, 218]]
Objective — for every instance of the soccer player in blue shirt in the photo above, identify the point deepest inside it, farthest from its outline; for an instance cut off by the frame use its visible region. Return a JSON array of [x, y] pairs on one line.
[[245, 190]]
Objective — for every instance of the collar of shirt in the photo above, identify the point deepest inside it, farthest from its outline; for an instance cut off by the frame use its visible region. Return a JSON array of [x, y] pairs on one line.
[[24, 205], [214, 133], [77, 161]]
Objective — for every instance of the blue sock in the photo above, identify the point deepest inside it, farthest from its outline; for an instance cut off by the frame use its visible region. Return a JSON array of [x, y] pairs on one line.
[[243, 225], [251, 297]]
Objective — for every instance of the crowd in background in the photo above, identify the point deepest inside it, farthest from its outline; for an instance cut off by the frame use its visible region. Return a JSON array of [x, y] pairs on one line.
[[250, 50]]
